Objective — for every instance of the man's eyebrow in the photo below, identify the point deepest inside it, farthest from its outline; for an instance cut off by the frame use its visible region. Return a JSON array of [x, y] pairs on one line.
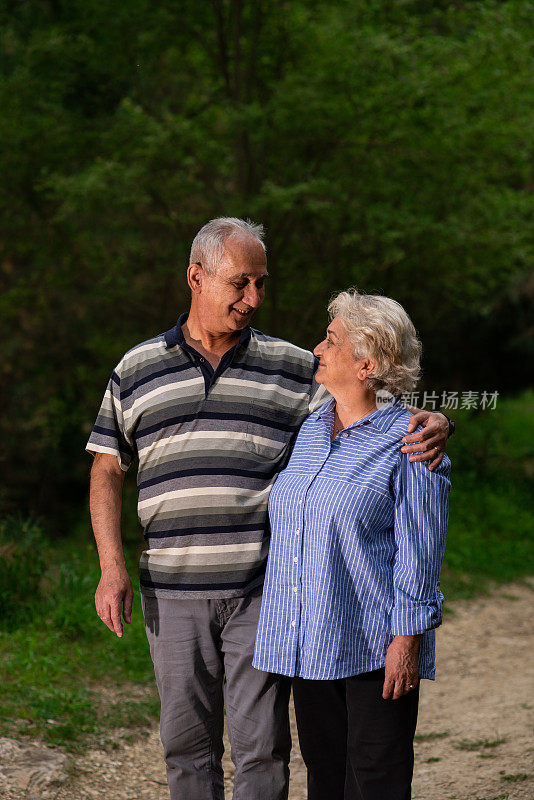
[[248, 275]]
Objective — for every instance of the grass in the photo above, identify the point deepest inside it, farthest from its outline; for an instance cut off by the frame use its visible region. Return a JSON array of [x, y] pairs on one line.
[[52, 686], [518, 777], [57, 656], [498, 797], [491, 526], [430, 737], [473, 745], [68, 681]]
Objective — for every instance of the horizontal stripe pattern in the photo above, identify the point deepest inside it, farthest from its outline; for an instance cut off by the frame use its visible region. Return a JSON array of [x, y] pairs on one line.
[[358, 536], [208, 455]]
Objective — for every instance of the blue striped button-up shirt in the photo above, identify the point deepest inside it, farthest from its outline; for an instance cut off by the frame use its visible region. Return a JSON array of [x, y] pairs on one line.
[[358, 535]]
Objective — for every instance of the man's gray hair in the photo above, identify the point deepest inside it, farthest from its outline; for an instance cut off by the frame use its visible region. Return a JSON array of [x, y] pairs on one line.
[[379, 328], [209, 243]]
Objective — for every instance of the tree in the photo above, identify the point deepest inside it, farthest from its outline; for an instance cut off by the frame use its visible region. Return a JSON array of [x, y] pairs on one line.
[[383, 144]]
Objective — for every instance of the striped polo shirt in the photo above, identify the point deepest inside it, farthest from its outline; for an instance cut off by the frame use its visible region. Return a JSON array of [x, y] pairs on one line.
[[210, 444]]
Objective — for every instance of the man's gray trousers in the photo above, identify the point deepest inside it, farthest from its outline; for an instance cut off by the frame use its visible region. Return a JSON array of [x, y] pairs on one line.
[[197, 646]]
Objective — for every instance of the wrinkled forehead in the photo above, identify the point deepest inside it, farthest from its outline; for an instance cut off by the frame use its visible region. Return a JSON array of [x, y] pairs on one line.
[[337, 329], [241, 247], [243, 258]]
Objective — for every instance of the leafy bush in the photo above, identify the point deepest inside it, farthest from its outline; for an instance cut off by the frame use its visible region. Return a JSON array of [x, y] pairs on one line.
[[491, 525], [24, 553], [73, 611]]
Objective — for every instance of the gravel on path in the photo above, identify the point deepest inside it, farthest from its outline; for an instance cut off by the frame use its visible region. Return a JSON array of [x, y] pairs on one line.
[[474, 737]]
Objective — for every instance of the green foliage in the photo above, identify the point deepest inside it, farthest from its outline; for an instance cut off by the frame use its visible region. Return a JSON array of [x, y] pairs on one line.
[[23, 560], [517, 777], [66, 679], [478, 744], [491, 527], [430, 737], [383, 144], [72, 692]]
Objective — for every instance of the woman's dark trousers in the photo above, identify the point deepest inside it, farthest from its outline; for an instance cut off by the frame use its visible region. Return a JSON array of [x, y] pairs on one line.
[[355, 744]]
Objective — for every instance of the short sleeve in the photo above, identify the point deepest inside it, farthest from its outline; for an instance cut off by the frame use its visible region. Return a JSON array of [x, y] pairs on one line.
[[109, 434]]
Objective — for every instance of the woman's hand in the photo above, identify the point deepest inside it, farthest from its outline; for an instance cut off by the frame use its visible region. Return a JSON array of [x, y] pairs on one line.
[[402, 667]]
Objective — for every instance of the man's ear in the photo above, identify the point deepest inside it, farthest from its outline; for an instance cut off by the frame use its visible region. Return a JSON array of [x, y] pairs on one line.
[[195, 274]]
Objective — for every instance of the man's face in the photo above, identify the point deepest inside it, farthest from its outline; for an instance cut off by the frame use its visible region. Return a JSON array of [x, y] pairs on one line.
[[229, 298]]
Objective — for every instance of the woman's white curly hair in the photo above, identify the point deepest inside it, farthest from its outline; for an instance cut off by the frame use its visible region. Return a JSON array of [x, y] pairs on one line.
[[380, 329]]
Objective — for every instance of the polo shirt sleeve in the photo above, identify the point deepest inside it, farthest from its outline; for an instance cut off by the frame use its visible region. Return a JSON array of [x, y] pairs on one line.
[[109, 433], [420, 528]]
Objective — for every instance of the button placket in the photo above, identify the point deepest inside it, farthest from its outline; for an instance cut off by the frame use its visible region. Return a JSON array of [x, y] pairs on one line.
[[296, 613], [297, 570]]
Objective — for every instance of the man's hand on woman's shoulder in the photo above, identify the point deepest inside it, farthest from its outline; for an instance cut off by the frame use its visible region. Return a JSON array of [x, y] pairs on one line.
[[430, 443]]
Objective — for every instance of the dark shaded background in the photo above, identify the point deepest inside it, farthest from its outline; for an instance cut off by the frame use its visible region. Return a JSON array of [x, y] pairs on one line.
[[383, 144]]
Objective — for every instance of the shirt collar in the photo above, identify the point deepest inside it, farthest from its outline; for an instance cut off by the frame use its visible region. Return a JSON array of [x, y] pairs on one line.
[[175, 336], [382, 419]]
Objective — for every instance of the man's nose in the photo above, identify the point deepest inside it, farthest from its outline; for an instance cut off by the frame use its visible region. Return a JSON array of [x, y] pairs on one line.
[[253, 297]]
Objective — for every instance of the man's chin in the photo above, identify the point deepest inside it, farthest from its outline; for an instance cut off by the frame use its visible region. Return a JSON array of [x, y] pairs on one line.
[[240, 320]]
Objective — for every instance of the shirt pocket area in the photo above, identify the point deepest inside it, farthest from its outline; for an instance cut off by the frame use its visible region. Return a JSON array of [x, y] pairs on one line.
[[271, 429]]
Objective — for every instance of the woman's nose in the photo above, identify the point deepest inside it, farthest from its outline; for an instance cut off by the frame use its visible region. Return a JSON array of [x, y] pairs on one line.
[[318, 349]]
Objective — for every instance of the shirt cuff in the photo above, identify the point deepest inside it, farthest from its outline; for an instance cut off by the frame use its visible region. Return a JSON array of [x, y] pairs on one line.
[[123, 458], [411, 617]]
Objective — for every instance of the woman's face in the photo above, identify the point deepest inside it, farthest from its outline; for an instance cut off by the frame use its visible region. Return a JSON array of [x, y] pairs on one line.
[[338, 369]]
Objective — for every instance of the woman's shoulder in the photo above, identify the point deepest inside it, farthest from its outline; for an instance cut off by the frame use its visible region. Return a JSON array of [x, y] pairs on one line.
[[398, 430], [399, 416]]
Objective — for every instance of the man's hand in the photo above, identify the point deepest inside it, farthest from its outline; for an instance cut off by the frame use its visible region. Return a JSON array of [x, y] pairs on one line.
[[402, 667], [114, 591], [113, 594], [430, 443]]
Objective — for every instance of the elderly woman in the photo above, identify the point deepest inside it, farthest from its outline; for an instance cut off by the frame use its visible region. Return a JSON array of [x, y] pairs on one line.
[[351, 596]]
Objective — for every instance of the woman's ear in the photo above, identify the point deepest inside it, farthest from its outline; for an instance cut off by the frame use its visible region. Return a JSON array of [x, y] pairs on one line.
[[366, 368]]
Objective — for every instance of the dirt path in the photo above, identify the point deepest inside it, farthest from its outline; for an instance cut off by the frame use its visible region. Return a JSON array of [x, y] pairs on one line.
[[474, 738]]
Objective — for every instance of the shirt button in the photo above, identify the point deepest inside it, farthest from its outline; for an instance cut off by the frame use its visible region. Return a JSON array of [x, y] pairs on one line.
[[295, 560], [294, 588], [293, 622], [201, 360], [297, 532], [346, 435], [300, 502]]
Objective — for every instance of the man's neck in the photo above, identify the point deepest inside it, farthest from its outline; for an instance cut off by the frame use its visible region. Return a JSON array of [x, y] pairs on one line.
[[198, 334]]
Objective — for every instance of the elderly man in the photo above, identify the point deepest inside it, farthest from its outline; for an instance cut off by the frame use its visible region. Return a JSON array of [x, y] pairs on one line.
[[210, 409]]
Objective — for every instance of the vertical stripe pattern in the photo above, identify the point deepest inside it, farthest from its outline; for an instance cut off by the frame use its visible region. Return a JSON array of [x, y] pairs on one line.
[[357, 540]]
